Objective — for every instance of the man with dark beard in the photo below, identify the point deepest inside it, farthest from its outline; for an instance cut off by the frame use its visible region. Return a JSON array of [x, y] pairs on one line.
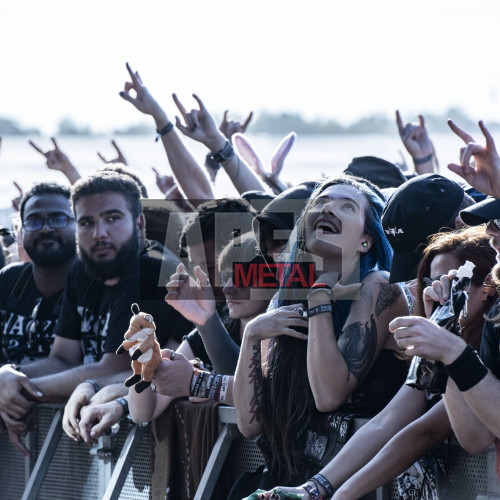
[[118, 267], [472, 395], [31, 293]]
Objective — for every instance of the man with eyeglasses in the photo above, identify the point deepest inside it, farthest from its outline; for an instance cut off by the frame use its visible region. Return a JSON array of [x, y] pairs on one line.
[[31, 293], [117, 267]]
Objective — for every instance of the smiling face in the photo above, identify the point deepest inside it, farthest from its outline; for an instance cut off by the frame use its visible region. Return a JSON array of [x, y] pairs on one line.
[[335, 222], [108, 237], [49, 247]]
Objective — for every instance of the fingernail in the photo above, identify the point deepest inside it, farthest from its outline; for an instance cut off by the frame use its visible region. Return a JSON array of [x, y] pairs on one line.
[[122, 94], [39, 394]]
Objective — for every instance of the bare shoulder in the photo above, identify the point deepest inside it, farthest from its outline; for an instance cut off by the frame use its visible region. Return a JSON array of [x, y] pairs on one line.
[[386, 296]]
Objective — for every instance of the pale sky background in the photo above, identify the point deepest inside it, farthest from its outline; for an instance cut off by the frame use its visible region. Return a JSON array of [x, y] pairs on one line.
[[325, 58]]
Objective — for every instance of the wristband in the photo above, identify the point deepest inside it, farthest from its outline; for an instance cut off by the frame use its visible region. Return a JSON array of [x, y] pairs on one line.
[[224, 154], [164, 131], [323, 481], [124, 404], [320, 287], [423, 160], [467, 370], [223, 389], [321, 309], [94, 384]]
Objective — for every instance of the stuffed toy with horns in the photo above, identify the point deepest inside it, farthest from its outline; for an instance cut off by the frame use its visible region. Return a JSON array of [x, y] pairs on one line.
[[146, 355]]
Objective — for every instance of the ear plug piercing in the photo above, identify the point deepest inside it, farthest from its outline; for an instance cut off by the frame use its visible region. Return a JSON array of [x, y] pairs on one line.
[[365, 244]]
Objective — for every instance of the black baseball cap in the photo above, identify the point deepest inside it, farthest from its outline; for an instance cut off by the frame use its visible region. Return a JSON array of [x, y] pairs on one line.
[[380, 172], [481, 212], [417, 209]]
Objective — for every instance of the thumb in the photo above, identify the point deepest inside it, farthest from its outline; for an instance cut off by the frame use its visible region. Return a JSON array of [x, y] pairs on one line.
[[30, 388], [201, 276]]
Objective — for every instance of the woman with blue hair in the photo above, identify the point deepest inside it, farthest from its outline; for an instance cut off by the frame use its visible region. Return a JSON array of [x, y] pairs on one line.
[[322, 354]]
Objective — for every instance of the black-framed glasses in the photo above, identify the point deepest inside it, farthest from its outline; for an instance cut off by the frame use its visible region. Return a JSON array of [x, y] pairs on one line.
[[54, 222], [496, 223]]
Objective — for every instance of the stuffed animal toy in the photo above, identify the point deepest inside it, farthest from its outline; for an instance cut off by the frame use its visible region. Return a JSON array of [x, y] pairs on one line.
[[146, 356]]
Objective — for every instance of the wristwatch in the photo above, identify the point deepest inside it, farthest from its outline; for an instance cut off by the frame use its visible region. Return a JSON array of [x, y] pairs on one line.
[[224, 154]]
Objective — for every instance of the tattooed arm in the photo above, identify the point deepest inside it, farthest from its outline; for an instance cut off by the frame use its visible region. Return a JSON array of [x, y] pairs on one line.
[[336, 368], [247, 387]]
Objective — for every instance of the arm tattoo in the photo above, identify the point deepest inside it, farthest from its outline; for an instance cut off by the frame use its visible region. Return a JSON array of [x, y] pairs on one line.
[[255, 378], [358, 346], [387, 297]]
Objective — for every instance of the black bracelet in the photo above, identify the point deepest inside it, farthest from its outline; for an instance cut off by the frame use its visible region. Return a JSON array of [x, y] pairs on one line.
[[467, 370], [224, 154], [164, 131], [321, 309], [323, 481], [124, 404], [425, 159], [94, 384]]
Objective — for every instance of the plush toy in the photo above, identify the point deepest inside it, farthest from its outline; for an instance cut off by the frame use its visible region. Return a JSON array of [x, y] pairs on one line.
[[146, 356]]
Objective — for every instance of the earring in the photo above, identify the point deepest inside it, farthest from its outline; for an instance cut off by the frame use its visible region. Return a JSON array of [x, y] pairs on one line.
[[365, 244]]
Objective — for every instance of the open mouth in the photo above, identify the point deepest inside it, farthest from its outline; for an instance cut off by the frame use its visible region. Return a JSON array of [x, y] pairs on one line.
[[326, 227]]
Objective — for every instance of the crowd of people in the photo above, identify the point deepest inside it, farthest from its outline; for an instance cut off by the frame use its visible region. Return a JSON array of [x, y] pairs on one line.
[[300, 305]]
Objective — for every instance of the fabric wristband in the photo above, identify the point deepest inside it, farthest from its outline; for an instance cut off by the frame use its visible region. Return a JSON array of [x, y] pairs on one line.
[[164, 131], [323, 481], [467, 370], [124, 404], [425, 159], [223, 389], [321, 309], [94, 384]]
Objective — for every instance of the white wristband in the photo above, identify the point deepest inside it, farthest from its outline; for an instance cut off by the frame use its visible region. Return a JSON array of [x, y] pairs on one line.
[[223, 389]]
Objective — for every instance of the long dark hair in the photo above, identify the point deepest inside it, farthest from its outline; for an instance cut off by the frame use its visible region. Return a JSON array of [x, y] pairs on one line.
[[287, 399]]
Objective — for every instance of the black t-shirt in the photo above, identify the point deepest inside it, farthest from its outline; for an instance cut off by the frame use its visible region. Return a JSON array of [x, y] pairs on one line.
[[27, 320], [490, 342], [99, 315]]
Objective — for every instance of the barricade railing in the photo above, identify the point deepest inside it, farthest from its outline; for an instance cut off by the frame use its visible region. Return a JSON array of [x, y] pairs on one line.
[[119, 466]]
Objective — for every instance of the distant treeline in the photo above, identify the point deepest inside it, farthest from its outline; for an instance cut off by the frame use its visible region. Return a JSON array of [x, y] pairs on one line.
[[274, 123]]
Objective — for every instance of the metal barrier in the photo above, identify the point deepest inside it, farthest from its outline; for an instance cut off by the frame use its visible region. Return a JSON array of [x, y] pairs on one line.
[[119, 467]]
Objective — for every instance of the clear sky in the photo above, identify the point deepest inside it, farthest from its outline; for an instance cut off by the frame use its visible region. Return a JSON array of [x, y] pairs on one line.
[[322, 58]]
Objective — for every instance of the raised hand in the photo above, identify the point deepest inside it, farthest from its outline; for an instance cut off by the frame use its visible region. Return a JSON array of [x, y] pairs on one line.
[[143, 101], [195, 302], [167, 185], [417, 142], [483, 173], [16, 202], [231, 127], [57, 160], [199, 125], [119, 155]]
